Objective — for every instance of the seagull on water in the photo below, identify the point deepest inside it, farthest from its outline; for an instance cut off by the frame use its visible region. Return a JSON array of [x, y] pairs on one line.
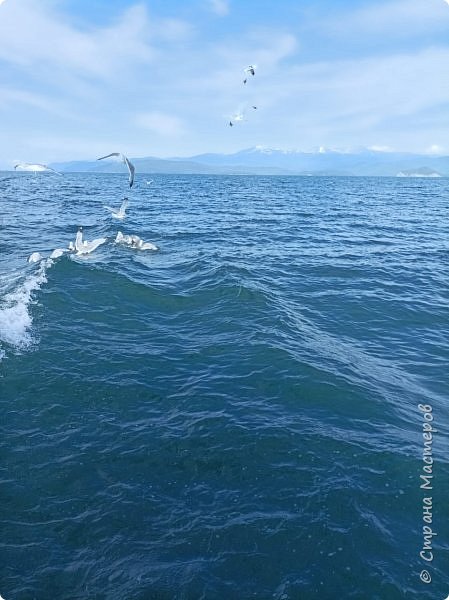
[[85, 247], [125, 160], [35, 257], [134, 241], [57, 253], [35, 167], [120, 213]]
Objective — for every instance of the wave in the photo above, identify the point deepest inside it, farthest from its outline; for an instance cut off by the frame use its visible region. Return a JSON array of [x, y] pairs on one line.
[[15, 315]]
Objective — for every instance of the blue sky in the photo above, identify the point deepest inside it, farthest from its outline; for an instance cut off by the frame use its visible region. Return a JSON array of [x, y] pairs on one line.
[[80, 79]]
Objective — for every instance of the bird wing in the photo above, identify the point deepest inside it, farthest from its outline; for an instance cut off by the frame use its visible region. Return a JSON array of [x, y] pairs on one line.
[[108, 155], [148, 246], [52, 170], [131, 170], [57, 253], [78, 240], [123, 206], [90, 246]]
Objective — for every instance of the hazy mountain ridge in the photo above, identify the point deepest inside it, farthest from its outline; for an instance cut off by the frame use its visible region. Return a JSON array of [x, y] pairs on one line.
[[268, 161]]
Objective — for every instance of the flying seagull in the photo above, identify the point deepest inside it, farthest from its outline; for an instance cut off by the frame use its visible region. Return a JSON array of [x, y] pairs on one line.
[[236, 118], [239, 116], [250, 70], [34, 167], [84, 247], [120, 213], [125, 160]]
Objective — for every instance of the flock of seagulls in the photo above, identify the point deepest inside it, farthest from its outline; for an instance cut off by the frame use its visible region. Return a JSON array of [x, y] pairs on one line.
[[240, 115], [80, 246]]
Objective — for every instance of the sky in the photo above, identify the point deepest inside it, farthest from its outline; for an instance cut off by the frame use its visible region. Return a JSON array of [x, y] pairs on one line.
[[80, 79]]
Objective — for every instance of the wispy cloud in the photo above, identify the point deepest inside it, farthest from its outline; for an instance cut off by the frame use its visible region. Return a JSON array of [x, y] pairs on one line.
[[165, 83], [33, 37], [400, 18], [219, 7], [160, 123]]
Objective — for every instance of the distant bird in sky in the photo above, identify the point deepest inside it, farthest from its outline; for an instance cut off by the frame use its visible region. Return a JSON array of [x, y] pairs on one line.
[[250, 70], [236, 118], [125, 160], [34, 167], [240, 115], [120, 213]]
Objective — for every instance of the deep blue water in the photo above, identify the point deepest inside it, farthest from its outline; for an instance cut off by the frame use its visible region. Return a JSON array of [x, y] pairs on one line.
[[236, 415]]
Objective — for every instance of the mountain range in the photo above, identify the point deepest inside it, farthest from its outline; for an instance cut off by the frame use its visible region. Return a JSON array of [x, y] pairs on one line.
[[268, 161]]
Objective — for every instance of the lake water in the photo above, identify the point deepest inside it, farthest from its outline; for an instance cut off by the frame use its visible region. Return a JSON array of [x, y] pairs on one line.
[[236, 415]]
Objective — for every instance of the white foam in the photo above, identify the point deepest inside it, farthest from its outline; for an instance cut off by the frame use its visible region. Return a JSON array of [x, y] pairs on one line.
[[15, 316]]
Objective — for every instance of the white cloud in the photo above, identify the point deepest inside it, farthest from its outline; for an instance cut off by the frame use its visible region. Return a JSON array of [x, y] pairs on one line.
[[377, 148], [112, 83], [160, 123], [35, 38], [219, 7], [435, 148], [398, 18]]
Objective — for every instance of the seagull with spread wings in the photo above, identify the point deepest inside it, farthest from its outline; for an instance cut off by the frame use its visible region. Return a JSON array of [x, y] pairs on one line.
[[34, 167], [125, 160], [121, 212]]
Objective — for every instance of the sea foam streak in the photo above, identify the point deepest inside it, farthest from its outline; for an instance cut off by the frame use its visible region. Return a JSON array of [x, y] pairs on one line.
[[15, 317]]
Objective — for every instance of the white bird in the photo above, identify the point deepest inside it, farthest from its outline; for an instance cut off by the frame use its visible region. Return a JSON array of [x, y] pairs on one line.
[[249, 70], [134, 241], [35, 257], [146, 246], [150, 181], [35, 167], [125, 160], [240, 114], [85, 247], [57, 253], [236, 118], [122, 239], [120, 213]]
